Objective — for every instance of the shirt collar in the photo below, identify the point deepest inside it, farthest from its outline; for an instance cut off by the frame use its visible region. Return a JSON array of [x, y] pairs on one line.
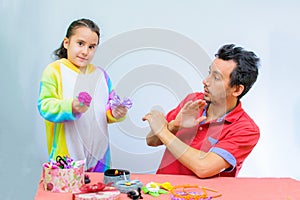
[[230, 116]]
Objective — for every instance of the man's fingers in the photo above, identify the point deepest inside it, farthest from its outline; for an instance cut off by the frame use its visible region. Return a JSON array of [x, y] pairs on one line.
[[187, 104], [146, 117], [201, 119], [201, 103]]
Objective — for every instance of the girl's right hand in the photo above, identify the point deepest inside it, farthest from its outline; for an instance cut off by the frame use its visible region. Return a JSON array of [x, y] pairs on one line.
[[78, 108]]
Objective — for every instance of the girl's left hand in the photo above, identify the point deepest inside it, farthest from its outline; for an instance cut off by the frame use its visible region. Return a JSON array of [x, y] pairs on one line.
[[119, 112]]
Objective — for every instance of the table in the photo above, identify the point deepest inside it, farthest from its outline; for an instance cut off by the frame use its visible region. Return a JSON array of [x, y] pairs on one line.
[[230, 188]]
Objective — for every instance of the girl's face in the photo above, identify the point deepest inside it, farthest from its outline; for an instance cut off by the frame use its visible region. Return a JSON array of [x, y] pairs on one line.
[[81, 46]]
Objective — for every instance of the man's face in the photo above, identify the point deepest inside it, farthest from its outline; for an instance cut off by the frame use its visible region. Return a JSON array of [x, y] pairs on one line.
[[216, 84]]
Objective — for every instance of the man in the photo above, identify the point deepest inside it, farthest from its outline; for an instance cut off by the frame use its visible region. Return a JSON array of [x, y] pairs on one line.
[[209, 134]]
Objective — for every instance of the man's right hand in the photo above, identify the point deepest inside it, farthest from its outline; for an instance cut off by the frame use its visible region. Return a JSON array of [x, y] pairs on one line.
[[188, 115]]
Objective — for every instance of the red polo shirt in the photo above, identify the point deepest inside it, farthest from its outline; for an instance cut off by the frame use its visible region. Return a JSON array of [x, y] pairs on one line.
[[232, 137]]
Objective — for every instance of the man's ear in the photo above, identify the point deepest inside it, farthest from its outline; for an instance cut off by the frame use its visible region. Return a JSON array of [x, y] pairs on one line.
[[238, 90], [66, 42]]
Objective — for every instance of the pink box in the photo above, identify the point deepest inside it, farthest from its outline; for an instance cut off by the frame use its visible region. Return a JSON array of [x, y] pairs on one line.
[[63, 180], [102, 195]]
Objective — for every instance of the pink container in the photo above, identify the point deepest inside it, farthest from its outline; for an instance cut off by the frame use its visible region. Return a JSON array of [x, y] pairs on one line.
[[63, 180]]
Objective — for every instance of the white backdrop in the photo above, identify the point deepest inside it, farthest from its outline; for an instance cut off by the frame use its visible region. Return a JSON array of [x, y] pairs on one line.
[[155, 52]]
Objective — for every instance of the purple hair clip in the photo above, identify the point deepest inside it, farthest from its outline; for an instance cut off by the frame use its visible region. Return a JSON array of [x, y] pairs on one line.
[[116, 101]]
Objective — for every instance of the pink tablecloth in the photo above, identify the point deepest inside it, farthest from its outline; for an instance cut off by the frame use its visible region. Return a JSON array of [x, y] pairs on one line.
[[230, 188]]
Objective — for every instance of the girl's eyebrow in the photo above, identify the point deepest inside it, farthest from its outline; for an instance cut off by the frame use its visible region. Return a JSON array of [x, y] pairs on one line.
[[83, 41], [80, 40], [94, 44]]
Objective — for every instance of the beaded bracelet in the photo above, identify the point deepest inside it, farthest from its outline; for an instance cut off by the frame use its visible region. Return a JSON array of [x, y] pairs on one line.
[[193, 195]]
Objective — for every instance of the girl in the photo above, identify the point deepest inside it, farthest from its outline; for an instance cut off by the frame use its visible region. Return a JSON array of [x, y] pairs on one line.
[[75, 129]]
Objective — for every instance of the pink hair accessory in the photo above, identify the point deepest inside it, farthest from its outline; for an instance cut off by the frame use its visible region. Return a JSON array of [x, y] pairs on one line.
[[84, 98]]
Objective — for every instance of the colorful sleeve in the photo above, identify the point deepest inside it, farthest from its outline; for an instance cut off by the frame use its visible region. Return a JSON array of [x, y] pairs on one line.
[[110, 117], [51, 105]]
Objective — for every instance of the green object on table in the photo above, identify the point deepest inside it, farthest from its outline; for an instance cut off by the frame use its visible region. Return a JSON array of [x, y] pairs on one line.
[[154, 194], [162, 191]]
